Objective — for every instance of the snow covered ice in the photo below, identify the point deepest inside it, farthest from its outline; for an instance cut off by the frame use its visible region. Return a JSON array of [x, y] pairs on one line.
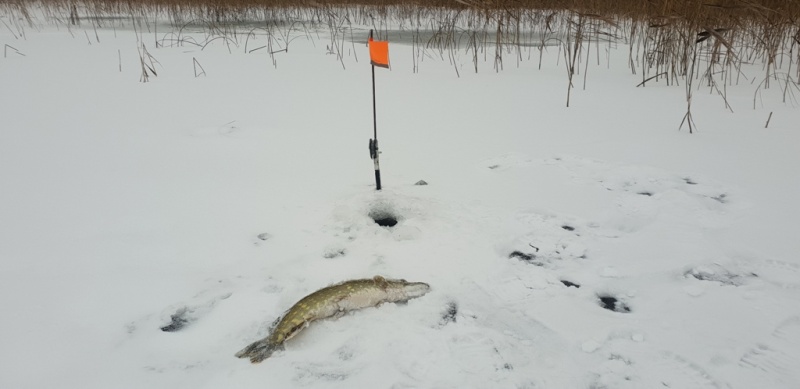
[[225, 198]]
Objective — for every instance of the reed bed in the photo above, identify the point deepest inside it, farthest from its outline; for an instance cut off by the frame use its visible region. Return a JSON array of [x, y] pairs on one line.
[[689, 43]]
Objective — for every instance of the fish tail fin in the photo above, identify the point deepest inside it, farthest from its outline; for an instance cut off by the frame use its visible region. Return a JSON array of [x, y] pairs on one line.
[[259, 351]]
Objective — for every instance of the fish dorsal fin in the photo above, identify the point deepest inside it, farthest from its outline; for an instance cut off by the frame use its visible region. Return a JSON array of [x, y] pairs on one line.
[[381, 282]]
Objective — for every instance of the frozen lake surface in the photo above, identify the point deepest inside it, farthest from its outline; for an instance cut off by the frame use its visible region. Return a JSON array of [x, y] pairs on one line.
[[595, 246]]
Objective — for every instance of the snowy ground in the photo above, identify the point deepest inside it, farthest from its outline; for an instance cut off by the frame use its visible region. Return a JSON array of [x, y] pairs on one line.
[[125, 203]]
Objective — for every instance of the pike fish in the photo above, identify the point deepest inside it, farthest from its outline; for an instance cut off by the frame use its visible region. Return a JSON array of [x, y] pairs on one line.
[[332, 301]]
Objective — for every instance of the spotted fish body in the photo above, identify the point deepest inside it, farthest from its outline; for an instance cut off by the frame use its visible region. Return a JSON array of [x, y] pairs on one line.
[[332, 301]]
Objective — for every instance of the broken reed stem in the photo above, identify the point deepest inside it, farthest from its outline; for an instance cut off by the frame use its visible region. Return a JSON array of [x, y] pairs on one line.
[[5, 51], [196, 65], [656, 76]]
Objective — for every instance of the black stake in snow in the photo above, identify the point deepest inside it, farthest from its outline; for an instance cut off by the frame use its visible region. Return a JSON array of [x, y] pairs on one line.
[[373, 143]]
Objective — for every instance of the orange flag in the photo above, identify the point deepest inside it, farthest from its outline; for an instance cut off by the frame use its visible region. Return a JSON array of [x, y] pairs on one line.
[[379, 53]]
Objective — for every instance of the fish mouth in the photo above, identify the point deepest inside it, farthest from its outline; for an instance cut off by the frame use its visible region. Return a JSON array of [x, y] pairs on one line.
[[416, 289]]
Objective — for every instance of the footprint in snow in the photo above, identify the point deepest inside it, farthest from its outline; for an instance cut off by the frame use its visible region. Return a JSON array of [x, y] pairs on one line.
[[675, 371], [184, 315], [314, 374], [613, 303], [507, 161], [476, 353], [784, 275], [181, 315], [261, 238], [645, 191], [449, 315], [776, 358], [626, 367], [570, 284], [334, 251], [551, 241], [719, 274]]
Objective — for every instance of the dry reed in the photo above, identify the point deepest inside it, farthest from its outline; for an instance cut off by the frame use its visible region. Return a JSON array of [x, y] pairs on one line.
[[678, 42]]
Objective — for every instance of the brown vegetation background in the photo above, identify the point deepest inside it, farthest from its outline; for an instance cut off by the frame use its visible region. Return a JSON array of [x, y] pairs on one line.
[[689, 43]]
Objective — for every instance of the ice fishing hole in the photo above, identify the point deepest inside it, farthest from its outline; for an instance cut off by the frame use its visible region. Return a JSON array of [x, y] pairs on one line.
[[388, 221], [612, 304], [383, 217]]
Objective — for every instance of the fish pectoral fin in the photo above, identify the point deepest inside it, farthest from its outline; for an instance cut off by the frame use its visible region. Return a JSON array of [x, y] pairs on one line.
[[296, 329]]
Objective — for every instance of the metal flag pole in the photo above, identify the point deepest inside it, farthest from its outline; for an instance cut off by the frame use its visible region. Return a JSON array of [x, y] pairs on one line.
[[373, 143]]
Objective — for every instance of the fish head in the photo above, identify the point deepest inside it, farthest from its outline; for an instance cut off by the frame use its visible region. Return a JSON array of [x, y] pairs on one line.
[[416, 289], [402, 290]]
